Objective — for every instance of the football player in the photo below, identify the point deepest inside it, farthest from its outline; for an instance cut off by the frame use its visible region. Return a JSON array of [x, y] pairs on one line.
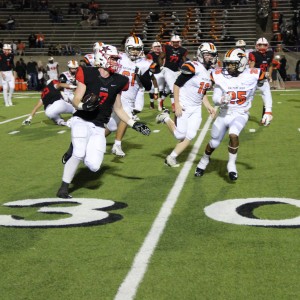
[[69, 78], [189, 93], [171, 59], [242, 45], [53, 102], [100, 89], [262, 58], [234, 91], [52, 68], [136, 67], [7, 73], [89, 58], [153, 54]]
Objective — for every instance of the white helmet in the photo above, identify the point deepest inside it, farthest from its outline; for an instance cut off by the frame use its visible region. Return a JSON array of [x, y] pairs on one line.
[[156, 44], [207, 61], [262, 45], [73, 64], [97, 46], [234, 62], [102, 58], [240, 44], [134, 47], [6, 47], [175, 38], [48, 81]]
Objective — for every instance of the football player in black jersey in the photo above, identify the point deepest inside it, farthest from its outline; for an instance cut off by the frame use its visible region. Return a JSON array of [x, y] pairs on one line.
[[88, 123], [171, 58], [7, 73], [262, 58], [54, 104]]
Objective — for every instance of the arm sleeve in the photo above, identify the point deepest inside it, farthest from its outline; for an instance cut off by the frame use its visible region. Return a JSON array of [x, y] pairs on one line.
[[182, 79], [146, 80]]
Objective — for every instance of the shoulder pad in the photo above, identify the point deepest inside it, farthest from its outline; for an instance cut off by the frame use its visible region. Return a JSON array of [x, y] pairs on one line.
[[188, 68]]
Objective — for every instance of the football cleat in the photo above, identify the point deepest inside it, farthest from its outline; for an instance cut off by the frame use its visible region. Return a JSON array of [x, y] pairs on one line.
[[63, 193], [199, 172], [161, 117], [117, 150], [233, 176], [171, 162]]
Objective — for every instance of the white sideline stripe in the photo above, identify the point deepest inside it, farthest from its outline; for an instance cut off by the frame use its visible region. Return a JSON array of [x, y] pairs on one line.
[[17, 118], [130, 284]]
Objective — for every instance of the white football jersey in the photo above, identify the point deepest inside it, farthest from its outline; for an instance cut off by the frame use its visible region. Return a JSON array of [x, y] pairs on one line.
[[128, 68], [52, 70], [69, 93], [193, 91], [242, 88]]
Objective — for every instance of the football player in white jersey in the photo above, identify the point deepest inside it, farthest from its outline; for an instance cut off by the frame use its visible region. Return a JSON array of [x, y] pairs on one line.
[[136, 67], [69, 78], [89, 58], [234, 91], [241, 44], [52, 69], [189, 93]]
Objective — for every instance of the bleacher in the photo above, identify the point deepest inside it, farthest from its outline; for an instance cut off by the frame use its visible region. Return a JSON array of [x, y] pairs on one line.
[[240, 24]]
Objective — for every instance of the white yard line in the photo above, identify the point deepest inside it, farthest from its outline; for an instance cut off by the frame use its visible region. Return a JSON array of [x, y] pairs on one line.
[[17, 118], [130, 284]]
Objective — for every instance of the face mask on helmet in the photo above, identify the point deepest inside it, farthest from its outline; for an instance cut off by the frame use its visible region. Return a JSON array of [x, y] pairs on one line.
[[107, 58], [207, 55], [156, 47], [134, 47], [73, 66], [175, 41], [262, 45], [234, 62]]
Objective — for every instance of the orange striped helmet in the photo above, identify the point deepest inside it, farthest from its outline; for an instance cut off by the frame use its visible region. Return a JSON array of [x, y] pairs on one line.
[[234, 62], [134, 47], [207, 54]]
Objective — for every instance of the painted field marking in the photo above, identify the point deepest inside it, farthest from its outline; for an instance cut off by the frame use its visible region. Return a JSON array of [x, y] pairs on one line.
[[252, 130], [17, 118], [61, 132], [130, 284], [14, 132]]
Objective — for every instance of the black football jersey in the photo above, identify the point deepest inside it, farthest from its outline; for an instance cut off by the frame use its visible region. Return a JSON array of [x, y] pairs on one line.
[[106, 88], [50, 94], [7, 62], [153, 56], [174, 57], [262, 60]]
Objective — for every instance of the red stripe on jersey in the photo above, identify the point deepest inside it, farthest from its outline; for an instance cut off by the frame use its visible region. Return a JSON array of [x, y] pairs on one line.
[[80, 75]]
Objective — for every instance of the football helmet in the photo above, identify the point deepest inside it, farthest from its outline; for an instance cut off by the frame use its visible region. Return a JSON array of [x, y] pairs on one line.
[[97, 46], [6, 47], [134, 47], [234, 62], [107, 58], [175, 41], [240, 44], [156, 47], [262, 45], [207, 55], [73, 65]]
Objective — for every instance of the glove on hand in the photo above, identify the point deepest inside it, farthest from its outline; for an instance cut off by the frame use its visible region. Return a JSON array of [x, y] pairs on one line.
[[142, 128], [266, 119], [27, 121]]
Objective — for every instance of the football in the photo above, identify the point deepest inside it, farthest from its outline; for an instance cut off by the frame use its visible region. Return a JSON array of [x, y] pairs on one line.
[[92, 98]]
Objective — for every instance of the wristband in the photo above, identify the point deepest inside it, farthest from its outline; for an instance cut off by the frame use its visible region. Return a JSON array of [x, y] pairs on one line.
[[79, 106], [130, 122], [155, 90]]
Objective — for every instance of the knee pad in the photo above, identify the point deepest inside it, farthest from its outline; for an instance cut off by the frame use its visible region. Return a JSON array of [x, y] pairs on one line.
[[214, 143], [179, 135], [190, 135], [94, 163], [79, 140]]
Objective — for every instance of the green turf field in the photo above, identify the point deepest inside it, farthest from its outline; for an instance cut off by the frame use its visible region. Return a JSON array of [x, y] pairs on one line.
[[164, 234]]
